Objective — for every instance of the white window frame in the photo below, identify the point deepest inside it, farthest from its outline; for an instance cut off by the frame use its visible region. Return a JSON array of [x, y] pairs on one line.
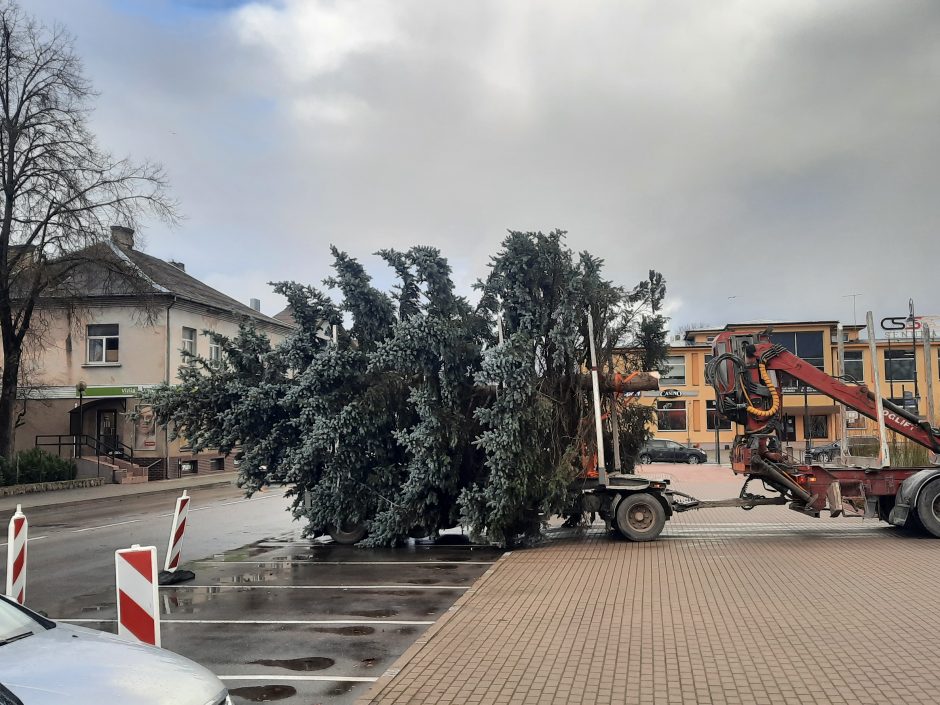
[[215, 352], [104, 361], [665, 378], [189, 344]]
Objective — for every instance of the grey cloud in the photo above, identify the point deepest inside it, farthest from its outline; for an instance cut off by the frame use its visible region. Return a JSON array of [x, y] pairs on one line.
[[781, 152]]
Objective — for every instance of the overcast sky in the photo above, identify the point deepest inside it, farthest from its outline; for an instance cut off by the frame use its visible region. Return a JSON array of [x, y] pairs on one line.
[[768, 157]]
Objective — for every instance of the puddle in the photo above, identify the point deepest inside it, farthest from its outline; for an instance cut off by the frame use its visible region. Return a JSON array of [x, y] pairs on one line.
[[368, 662], [264, 693], [375, 613], [422, 581], [407, 630], [311, 663], [341, 688], [346, 631], [440, 567]]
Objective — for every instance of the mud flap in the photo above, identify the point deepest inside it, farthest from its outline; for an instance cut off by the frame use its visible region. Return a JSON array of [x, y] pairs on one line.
[[834, 499]]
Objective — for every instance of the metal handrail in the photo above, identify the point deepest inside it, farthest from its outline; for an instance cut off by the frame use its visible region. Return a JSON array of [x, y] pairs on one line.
[[80, 440]]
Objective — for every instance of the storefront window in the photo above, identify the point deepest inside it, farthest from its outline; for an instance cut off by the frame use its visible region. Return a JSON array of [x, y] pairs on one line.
[[710, 417], [671, 415]]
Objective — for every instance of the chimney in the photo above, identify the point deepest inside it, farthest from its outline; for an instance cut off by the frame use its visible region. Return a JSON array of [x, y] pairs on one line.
[[122, 236], [178, 265], [255, 304]]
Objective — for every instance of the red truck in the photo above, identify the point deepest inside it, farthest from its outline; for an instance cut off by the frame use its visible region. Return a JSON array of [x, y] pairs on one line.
[[743, 372]]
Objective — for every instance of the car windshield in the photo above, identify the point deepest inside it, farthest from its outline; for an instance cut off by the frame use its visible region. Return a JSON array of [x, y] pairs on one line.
[[14, 622]]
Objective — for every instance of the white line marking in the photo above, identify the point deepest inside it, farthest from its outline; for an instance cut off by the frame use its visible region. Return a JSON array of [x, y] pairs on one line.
[[222, 504], [28, 539], [400, 622], [269, 677], [106, 526], [316, 562], [238, 586]]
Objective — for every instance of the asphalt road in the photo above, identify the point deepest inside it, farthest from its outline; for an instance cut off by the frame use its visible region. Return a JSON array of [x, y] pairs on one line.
[[71, 547], [277, 617]]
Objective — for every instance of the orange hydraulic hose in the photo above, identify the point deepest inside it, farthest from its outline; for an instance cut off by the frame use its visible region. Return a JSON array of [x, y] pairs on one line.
[[764, 413]]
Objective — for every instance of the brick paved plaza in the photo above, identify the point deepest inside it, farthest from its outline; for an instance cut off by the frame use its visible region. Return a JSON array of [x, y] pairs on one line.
[[766, 606]]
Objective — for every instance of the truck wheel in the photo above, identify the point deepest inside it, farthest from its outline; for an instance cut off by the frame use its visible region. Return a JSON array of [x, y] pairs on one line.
[[640, 517], [348, 533], [928, 508], [645, 459]]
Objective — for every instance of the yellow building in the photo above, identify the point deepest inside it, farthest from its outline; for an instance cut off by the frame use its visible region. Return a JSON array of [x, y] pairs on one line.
[[685, 402]]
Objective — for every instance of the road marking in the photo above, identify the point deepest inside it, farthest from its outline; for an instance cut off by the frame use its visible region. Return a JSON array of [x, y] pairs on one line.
[[270, 677], [223, 504], [238, 586], [316, 562], [106, 526], [399, 622], [28, 539]]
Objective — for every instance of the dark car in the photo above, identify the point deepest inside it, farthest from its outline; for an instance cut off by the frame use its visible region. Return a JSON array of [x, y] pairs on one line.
[[660, 451], [823, 454]]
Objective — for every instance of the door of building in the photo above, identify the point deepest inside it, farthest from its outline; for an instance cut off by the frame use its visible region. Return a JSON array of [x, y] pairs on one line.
[[107, 429]]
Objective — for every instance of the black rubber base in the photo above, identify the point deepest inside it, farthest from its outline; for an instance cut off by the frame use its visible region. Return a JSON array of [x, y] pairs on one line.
[[172, 577]]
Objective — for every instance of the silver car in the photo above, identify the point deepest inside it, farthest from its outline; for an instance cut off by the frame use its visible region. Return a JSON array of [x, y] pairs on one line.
[[45, 663]]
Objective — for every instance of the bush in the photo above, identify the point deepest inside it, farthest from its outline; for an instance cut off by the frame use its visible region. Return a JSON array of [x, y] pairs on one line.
[[35, 465]]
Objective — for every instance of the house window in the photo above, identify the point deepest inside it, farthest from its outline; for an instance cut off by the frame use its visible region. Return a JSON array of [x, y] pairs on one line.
[[809, 346], [671, 415], [818, 426], [103, 343], [215, 352], [723, 423], [854, 365], [899, 365], [789, 428], [189, 340], [675, 371]]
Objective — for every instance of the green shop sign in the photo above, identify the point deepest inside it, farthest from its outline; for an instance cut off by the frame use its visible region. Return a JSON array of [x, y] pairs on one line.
[[126, 391]]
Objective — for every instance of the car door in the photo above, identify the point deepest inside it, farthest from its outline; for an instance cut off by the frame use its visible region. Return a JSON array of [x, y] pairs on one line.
[[671, 452]]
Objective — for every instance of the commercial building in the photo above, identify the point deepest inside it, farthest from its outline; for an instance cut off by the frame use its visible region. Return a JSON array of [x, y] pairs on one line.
[[81, 393], [685, 403]]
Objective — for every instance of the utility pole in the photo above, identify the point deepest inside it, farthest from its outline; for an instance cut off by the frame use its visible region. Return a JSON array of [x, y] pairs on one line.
[[928, 374], [840, 347], [876, 380], [853, 297], [910, 305]]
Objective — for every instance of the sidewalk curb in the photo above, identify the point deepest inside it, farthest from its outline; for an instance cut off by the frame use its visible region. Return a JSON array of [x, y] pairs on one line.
[[120, 497], [402, 661]]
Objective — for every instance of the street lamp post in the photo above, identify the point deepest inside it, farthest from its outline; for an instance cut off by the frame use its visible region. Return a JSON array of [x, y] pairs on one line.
[[80, 388]]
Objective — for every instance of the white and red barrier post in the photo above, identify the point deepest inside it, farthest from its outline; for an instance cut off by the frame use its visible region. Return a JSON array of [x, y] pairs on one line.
[[16, 556], [138, 607], [175, 547]]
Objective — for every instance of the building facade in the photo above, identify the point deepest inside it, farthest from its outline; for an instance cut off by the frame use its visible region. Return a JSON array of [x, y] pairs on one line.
[[685, 402], [84, 384]]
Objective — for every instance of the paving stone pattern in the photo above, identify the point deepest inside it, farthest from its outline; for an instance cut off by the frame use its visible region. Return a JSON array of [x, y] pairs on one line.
[[735, 607]]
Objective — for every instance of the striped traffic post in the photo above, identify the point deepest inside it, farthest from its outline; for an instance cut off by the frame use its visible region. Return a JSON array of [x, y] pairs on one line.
[[16, 556], [175, 547], [138, 608], [171, 574]]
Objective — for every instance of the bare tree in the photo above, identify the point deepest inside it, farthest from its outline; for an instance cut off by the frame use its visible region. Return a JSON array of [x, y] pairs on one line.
[[59, 188]]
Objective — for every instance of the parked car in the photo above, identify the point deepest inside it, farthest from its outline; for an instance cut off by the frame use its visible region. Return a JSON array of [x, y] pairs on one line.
[[656, 450], [44, 663], [823, 454]]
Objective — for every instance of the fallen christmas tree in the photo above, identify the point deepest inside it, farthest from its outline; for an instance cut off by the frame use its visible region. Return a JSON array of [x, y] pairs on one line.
[[427, 412]]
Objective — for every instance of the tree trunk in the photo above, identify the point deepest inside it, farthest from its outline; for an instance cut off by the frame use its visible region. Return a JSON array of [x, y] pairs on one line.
[[11, 369]]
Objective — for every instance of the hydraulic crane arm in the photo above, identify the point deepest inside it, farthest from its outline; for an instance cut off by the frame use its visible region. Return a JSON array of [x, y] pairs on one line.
[[854, 396], [746, 393]]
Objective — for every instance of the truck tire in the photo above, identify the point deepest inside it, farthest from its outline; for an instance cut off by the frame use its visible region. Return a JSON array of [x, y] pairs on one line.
[[928, 508], [348, 533], [640, 517]]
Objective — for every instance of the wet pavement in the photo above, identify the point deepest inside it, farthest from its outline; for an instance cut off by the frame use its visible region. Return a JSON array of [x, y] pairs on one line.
[[299, 621]]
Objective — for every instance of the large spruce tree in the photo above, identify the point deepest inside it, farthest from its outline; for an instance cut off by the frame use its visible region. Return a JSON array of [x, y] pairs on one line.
[[417, 418]]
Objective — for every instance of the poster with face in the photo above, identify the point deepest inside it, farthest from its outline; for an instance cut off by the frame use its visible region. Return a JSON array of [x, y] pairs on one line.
[[145, 428]]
